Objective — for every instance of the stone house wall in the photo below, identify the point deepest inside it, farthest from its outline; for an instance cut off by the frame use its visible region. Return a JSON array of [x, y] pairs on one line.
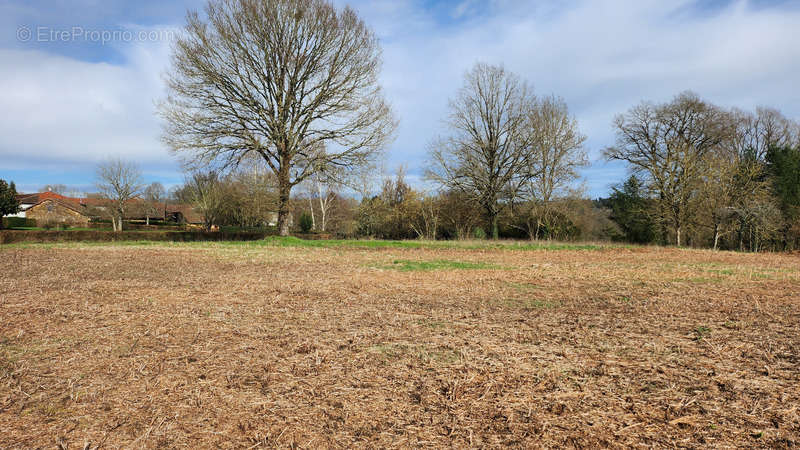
[[53, 212]]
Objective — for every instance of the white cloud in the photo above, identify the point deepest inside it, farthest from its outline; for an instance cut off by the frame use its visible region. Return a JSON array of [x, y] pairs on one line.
[[61, 111]]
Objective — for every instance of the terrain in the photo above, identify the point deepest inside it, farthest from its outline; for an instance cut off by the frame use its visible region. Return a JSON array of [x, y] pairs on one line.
[[392, 344]]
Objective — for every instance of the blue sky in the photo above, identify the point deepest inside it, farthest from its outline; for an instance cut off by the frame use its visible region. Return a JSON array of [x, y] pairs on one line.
[[80, 78]]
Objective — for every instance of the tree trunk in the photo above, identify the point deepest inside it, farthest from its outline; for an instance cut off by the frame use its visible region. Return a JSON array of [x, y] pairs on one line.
[[322, 204], [716, 236], [529, 228], [495, 232], [313, 219], [462, 232], [756, 240], [147, 219], [284, 191], [322, 207]]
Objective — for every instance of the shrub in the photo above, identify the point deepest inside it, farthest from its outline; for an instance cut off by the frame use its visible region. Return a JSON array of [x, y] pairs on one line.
[[478, 233], [7, 237], [58, 226], [18, 222], [306, 222]]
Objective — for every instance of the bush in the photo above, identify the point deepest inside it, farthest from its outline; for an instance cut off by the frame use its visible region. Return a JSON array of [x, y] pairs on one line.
[[306, 222], [57, 226], [18, 222], [7, 237], [478, 233]]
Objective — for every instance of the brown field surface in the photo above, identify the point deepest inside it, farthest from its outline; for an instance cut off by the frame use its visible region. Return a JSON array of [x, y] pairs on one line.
[[248, 345]]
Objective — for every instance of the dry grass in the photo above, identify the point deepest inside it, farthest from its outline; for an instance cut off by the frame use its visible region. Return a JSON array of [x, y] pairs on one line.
[[247, 346]]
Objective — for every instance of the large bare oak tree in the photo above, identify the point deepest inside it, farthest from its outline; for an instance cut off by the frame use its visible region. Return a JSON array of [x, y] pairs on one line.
[[488, 154], [668, 144], [276, 78]]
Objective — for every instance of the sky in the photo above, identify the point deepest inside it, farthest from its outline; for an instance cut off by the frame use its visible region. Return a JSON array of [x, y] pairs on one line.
[[80, 79]]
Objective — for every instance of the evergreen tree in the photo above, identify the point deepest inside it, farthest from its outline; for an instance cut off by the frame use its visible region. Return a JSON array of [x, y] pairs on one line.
[[783, 169], [629, 209], [783, 166], [8, 199]]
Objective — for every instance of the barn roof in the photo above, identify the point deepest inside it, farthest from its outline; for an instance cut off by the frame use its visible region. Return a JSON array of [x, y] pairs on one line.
[[37, 197]]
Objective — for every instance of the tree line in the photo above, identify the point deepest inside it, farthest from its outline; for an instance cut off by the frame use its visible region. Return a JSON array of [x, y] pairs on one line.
[[275, 108], [292, 85], [707, 175]]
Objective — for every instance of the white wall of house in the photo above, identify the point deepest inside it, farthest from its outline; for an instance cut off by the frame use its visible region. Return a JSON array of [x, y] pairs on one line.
[[21, 214]]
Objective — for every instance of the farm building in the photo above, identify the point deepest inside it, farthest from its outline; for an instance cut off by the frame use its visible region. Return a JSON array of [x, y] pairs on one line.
[[27, 201], [50, 208], [53, 208], [51, 211]]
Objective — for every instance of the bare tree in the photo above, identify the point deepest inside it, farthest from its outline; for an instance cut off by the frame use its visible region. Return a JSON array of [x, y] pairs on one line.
[[754, 134], [277, 78], [727, 182], [154, 197], [429, 218], [205, 192], [322, 187], [251, 195], [760, 221], [489, 152], [558, 147], [119, 182], [733, 172], [459, 212], [667, 144]]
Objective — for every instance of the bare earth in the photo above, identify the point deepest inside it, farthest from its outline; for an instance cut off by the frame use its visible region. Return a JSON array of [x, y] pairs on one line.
[[252, 345]]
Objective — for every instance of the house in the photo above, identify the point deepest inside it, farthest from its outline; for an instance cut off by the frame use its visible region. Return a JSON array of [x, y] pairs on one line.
[[28, 200], [51, 208]]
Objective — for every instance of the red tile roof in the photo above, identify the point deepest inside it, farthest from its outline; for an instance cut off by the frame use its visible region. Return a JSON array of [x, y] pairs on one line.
[[39, 196]]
